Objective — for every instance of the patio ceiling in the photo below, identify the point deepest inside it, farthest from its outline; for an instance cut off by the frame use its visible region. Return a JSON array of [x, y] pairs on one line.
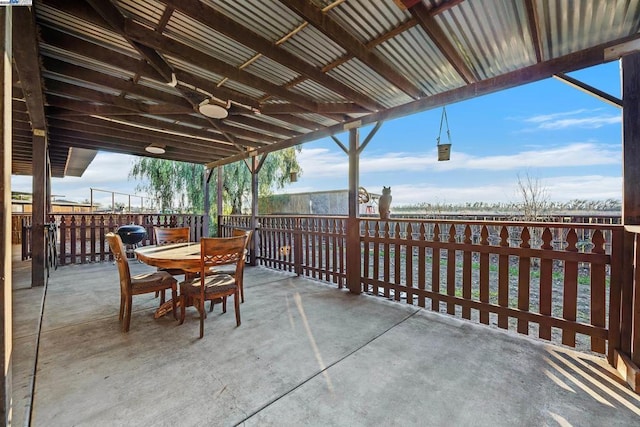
[[120, 75]]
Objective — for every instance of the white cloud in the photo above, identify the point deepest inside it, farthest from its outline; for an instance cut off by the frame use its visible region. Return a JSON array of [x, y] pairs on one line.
[[324, 163], [592, 187], [586, 119]]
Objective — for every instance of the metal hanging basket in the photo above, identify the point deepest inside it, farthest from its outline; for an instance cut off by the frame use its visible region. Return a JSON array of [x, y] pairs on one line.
[[444, 150]]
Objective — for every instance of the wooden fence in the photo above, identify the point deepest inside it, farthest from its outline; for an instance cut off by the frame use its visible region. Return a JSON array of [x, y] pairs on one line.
[[81, 237], [555, 281]]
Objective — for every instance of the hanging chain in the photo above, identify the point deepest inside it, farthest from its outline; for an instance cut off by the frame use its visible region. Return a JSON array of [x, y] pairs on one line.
[[444, 119]]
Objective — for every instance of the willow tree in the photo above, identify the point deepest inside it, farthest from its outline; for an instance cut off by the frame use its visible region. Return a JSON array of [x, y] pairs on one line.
[[178, 187]]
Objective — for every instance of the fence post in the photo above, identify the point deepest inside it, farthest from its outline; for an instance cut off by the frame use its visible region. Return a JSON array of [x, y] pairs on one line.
[[297, 245]]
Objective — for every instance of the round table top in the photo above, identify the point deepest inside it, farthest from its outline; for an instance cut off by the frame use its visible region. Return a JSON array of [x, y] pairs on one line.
[[174, 255]]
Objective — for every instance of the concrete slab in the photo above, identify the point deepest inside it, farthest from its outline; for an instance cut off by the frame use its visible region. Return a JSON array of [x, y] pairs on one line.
[[305, 354]]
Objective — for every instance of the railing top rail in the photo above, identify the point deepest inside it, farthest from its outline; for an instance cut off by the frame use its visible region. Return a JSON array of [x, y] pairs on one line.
[[496, 223]]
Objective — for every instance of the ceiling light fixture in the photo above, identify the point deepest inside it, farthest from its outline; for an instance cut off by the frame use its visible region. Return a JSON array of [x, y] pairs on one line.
[[155, 148], [213, 111]]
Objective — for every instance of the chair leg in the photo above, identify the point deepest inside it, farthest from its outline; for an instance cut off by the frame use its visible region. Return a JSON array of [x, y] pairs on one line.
[[183, 303], [122, 305], [224, 304], [236, 301], [162, 297], [241, 292], [211, 304], [202, 311], [174, 298], [127, 314]]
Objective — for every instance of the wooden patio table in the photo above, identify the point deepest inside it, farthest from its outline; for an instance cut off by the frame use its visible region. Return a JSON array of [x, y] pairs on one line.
[[185, 256]]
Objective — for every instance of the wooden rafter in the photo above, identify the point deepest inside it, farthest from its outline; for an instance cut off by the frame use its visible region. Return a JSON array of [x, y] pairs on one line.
[[428, 23], [221, 23], [26, 55]]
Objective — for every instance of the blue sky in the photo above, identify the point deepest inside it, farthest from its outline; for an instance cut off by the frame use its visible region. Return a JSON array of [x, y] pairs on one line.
[[568, 140]]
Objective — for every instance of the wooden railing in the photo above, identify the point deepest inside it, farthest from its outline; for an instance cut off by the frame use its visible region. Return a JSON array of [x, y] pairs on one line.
[[81, 237], [555, 281]]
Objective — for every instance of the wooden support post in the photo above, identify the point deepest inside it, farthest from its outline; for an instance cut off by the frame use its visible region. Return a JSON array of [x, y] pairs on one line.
[[39, 203], [353, 225], [6, 316], [256, 164], [206, 205], [629, 361], [219, 193]]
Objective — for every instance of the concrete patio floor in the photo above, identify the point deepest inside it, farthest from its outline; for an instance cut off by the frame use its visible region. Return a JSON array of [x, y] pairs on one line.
[[305, 354]]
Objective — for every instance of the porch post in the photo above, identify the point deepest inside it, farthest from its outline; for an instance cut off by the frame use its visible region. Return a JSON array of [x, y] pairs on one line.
[[39, 203], [219, 192], [253, 249], [353, 226], [630, 307], [6, 315], [206, 202]]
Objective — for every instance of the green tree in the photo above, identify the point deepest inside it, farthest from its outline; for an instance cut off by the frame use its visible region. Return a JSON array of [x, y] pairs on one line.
[[177, 186]]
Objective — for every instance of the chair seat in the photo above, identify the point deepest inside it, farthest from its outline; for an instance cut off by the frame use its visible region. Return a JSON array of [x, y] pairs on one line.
[[213, 285], [152, 280]]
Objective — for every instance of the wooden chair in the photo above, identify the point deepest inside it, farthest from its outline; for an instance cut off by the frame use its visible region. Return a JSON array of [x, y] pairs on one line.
[[166, 236], [139, 284], [230, 269], [215, 252]]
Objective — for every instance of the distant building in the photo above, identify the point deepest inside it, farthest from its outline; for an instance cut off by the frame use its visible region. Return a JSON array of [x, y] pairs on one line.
[[335, 202]]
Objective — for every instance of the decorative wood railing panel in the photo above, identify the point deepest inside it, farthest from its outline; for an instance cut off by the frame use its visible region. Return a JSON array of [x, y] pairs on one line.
[[554, 281], [81, 237]]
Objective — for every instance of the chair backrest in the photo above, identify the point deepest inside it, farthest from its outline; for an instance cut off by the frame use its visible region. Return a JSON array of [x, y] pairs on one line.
[[165, 236], [237, 232], [216, 251], [118, 251]]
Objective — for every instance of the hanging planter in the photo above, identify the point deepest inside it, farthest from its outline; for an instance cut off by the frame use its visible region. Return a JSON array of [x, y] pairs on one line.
[[293, 176], [444, 150]]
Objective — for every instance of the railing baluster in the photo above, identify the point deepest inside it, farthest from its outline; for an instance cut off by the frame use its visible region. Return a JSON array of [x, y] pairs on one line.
[[524, 278], [484, 273], [435, 269], [451, 269], [466, 271], [598, 292], [503, 278], [570, 294], [422, 265], [546, 279]]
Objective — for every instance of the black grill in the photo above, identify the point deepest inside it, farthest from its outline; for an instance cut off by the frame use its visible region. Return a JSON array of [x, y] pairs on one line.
[[132, 234]]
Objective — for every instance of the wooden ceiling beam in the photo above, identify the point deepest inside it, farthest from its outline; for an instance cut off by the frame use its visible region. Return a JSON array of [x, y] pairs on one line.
[[114, 17], [127, 86], [232, 29], [116, 146], [308, 11], [428, 23], [70, 90], [26, 56], [173, 47], [534, 28], [96, 126]]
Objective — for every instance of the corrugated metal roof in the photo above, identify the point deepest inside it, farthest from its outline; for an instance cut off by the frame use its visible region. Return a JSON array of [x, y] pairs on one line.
[[218, 46], [271, 71], [325, 63], [362, 78], [584, 24], [317, 91], [146, 12], [421, 61], [53, 18], [492, 35], [269, 18], [314, 47]]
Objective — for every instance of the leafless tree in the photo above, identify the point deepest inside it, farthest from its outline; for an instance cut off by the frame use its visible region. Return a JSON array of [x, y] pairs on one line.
[[534, 197]]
